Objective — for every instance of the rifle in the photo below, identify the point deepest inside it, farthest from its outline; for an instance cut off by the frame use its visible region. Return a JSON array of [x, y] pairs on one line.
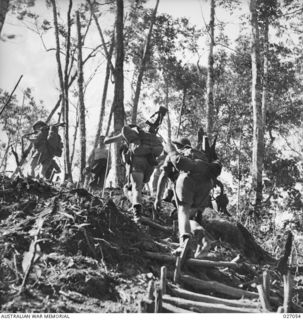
[[154, 127]]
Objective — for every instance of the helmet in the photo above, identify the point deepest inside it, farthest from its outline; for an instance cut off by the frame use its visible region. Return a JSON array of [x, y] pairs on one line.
[[182, 142]]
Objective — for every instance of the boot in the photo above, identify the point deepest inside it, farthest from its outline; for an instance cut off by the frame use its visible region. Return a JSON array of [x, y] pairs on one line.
[[137, 211]]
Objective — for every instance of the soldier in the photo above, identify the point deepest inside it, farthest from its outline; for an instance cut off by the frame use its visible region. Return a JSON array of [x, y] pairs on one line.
[[97, 164], [193, 175], [140, 155], [47, 144]]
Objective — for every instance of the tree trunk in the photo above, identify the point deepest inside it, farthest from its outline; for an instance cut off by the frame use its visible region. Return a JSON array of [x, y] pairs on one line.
[[265, 84], [181, 111], [142, 66], [67, 166], [168, 116], [104, 94], [257, 156], [3, 10], [210, 73], [81, 102], [118, 111]]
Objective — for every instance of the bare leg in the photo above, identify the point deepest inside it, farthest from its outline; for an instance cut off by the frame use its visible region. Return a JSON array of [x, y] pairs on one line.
[[183, 220], [136, 179]]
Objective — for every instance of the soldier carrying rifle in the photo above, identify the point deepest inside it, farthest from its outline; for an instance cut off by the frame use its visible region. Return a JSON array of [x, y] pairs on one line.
[[47, 144]]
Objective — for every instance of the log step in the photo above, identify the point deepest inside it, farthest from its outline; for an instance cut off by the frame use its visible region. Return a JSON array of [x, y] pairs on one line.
[[205, 307], [185, 294]]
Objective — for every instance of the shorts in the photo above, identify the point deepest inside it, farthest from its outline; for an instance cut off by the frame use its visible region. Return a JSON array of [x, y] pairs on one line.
[[192, 190], [141, 164]]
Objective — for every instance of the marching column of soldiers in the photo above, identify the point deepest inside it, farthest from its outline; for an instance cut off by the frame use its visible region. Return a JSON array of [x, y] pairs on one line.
[[183, 175]]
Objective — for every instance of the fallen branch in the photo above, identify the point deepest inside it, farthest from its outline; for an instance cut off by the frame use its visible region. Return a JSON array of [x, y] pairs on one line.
[[205, 307], [218, 287], [10, 96], [185, 294], [170, 308], [192, 262], [147, 221]]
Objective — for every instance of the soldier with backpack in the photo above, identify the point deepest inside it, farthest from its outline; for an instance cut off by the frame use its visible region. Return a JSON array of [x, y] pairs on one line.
[[140, 153], [193, 175], [97, 163], [47, 144]]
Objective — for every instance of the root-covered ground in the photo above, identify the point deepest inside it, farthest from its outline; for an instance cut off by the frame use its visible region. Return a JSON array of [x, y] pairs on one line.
[[66, 250]]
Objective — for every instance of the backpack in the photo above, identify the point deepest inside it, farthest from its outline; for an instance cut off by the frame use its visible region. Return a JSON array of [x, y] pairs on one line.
[[142, 143], [195, 162], [55, 143]]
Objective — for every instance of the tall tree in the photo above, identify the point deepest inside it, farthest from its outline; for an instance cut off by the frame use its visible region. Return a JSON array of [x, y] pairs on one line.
[[65, 111], [3, 10], [256, 96], [104, 93], [210, 72], [118, 103], [142, 65], [81, 101]]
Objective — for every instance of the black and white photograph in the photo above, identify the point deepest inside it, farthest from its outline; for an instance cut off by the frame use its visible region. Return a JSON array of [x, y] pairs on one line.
[[151, 158]]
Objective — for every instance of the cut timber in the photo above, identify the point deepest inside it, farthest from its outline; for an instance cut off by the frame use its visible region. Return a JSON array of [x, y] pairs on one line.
[[158, 301], [150, 290], [192, 262], [163, 280], [287, 279], [205, 307], [266, 284], [170, 308], [177, 272], [185, 294], [218, 287], [264, 301], [148, 222]]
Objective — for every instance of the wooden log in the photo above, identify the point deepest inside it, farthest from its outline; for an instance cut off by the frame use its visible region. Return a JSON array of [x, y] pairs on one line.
[[266, 284], [185, 294], [163, 280], [287, 279], [150, 290], [264, 301], [173, 309], [158, 300], [217, 287], [192, 262], [177, 272], [205, 307], [155, 225]]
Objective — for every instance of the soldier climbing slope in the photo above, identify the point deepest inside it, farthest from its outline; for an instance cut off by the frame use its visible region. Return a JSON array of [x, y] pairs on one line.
[[47, 144], [140, 154], [195, 178], [97, 164]]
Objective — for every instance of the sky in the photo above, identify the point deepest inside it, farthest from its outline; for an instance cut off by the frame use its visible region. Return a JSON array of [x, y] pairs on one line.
[[25, 54]]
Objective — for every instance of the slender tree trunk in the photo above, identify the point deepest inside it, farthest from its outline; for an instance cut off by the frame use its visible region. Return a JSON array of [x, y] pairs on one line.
[[210, 73], [81, 102], [67, 166], [181, 111], [265, 82], [104, 94], [168, 115], [107, 54], [142, 66], [257, 157], [75, 137], [118, 111], [3, 11]]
